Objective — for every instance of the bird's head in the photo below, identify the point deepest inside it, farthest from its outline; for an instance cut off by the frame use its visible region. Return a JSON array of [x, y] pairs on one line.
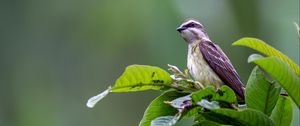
[[192, 30]]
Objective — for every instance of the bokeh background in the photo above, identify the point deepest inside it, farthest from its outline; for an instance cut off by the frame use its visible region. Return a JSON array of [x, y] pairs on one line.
[[55, 54]]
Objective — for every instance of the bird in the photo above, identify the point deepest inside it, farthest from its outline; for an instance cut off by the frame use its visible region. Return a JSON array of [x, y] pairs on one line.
[[206, 61]]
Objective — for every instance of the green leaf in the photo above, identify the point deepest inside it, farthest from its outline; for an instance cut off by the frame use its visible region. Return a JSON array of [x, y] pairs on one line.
[[283, 74], [158, 108], [136, 78], [221, 119], [191, 112], [283, 112], [260, 93], [142, 77], [247, 117], [200, 120], [225, 94], [268, 50], [207, 123]]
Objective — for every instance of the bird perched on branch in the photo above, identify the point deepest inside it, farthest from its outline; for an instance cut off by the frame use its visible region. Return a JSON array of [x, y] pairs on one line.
[[206, 61]]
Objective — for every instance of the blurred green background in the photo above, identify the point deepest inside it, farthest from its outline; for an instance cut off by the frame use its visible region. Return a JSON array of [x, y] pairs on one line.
[[55, 54]]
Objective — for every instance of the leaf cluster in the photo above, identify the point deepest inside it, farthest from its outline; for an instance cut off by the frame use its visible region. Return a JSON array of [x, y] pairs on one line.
[[271, 88]]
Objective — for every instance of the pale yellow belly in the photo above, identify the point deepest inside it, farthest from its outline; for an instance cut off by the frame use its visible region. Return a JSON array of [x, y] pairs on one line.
[[200, 70]]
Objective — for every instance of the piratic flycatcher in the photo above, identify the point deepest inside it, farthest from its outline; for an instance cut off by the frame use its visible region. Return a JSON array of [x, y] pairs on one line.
[[206, 61]]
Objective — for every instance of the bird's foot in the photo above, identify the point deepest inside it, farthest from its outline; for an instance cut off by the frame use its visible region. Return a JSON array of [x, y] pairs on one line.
[[199, 85], [219, 91]]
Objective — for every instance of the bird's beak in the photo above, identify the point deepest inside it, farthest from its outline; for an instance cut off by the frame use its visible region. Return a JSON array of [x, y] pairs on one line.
[[179, 29]]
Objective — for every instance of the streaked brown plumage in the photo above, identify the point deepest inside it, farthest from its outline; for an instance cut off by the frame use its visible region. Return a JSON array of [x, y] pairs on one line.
[[206, 61]]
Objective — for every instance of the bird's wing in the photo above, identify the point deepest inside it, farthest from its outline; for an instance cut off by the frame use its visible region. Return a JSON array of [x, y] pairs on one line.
[[222, 66]]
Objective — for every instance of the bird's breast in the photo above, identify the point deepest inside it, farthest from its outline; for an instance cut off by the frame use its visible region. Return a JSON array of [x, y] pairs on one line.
[[199, 69]]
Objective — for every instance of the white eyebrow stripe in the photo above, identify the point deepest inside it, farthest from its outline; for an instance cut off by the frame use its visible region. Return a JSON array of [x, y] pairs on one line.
[[190, 21]]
